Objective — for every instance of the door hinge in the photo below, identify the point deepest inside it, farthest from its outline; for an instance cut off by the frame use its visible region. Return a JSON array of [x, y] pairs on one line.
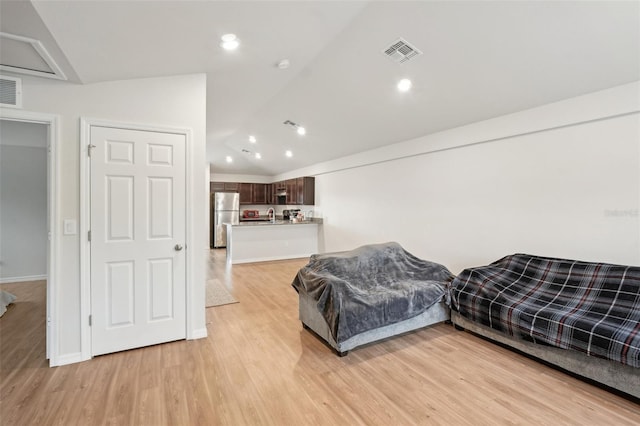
[[89, 235], [89, 149], [90, 320]]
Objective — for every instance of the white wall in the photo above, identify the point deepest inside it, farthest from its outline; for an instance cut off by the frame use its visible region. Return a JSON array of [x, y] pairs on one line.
[[224, 177], [560, 180], [23, 201], [178, 101]]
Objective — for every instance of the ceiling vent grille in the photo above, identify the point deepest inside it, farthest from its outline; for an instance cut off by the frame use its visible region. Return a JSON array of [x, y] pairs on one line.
[[401, 51], [10, 92]]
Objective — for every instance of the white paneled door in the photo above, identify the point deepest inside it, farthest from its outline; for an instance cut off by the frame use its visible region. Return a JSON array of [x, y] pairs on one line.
[[138, 233]]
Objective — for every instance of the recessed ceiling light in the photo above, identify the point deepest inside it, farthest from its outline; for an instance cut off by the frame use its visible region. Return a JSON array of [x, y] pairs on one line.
[[229, 159], [252, 139], [283, 64], [301, 130], [404, 85], [229, 42], [258, 156], [288, 154]]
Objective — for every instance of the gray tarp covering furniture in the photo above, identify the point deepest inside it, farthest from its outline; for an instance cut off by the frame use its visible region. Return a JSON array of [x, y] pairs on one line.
[[6, 299], [371, 287]]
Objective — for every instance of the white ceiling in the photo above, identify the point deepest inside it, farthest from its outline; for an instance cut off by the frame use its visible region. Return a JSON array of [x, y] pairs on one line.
[[480, 60]]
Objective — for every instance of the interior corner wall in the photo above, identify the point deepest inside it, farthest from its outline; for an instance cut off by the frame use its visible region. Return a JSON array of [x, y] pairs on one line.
[[178, 101], [570, 190], [23, 201]]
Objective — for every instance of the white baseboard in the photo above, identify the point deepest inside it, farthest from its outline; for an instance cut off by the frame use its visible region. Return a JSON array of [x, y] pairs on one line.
[[67, 359], [200, 333], [22, 279], [271, 258]]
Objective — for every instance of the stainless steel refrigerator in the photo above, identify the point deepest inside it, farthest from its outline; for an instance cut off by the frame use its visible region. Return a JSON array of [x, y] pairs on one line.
[[225, 207]]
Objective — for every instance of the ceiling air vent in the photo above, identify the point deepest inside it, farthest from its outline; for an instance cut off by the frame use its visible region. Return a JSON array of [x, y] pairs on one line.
[[401, 51], [10, 92]]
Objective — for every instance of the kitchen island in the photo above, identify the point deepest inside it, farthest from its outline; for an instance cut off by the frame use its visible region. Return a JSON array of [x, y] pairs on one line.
[[264, 241]]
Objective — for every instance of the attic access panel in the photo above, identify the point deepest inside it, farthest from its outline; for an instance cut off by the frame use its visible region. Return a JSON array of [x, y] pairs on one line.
[[24, 55]]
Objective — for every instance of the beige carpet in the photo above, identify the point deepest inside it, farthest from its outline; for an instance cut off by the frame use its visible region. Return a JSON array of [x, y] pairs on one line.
[[217, 294]]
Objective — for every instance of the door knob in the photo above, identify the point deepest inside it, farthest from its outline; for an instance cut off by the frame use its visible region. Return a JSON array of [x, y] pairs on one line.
[[178, 247]]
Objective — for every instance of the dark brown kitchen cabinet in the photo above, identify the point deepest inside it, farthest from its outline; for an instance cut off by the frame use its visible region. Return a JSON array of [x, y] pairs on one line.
[[260, 193], [269, 193], [216, 186], [275, 189], [246, 193], [292, 191], [305, 190], [299, 191], [224, 186]]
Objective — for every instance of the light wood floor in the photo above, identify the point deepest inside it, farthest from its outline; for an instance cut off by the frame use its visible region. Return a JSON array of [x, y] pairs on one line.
[[258, 367]]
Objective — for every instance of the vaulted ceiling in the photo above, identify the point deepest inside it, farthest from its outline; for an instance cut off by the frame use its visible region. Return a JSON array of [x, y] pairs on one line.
[[479, 60]]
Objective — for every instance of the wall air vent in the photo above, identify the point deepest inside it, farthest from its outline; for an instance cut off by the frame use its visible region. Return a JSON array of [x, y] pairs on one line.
[[10, 92], [401, 51]]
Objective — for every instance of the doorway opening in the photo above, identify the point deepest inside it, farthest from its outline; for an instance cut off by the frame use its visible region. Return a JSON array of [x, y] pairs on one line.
[[28, 217]]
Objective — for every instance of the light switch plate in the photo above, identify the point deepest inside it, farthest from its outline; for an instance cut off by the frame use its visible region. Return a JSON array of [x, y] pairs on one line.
[[70, 227]]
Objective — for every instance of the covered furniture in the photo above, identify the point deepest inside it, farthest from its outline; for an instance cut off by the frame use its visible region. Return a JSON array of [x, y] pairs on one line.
[[6, 299], [582, 316], [370, 293]]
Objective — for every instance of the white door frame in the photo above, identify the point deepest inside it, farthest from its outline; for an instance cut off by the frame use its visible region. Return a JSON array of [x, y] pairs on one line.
[[85, 225], [53, 225]]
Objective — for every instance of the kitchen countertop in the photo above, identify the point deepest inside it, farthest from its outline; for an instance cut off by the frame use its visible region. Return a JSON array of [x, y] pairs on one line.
[[254, 219], [260, 241], [279, 222]]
